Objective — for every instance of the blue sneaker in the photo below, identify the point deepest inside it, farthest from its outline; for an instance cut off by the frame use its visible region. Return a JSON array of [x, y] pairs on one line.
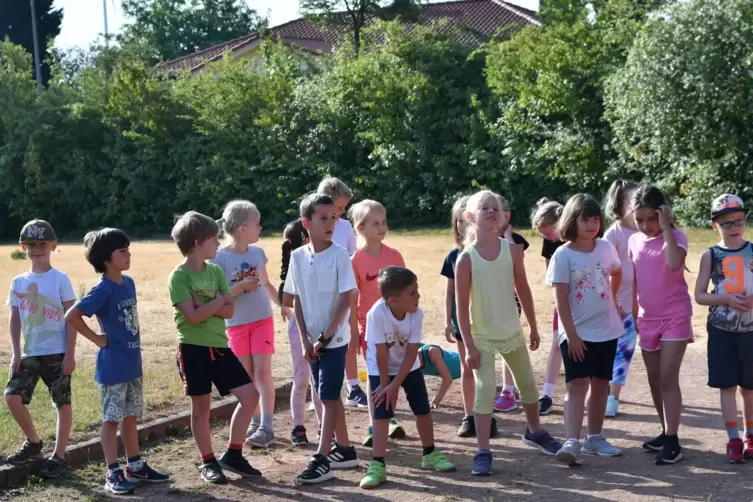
[[145, 475], [118, 484], [482, 463], [357, 398]]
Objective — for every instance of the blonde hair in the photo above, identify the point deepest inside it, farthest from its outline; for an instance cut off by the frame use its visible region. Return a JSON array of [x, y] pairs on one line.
[[547, 212], [458, 220], [334, 188], [360, 212], [235, 215], [474, 202]]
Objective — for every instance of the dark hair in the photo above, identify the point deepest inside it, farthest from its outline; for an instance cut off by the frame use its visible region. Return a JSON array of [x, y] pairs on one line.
[[647, 196], [294, 235], [312, 201], [192, 227], [579, 206], [101, 244], [615, 198], [394, 280]]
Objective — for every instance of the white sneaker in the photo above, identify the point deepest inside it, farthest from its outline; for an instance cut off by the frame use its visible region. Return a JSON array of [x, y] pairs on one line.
[[570, 453], [261, 438], [597, 445]]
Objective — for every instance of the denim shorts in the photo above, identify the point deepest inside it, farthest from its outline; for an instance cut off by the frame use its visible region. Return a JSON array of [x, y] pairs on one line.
[[329, 373]]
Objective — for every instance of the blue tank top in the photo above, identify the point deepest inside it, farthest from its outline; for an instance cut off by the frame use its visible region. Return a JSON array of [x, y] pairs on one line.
[[731, 273], [451, 359]]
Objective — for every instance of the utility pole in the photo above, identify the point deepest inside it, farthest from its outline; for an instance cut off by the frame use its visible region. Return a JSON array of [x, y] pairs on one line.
[[37, 62]]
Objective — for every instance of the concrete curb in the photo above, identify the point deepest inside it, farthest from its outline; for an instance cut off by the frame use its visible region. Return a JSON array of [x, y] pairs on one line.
[[82, 453]]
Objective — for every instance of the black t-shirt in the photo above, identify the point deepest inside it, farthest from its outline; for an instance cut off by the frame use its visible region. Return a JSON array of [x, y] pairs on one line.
[[549, 247]]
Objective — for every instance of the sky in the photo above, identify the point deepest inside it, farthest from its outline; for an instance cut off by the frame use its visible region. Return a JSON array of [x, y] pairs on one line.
[[83, 20]]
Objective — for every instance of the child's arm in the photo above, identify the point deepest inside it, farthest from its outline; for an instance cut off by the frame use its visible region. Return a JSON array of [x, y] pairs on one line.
[[69, 360], [524, 294], [435, 356], [227, 311], [390, 392], [635, 300], [197, 315], [272, 292], [75, 318], [382, 359], [308, 348], [342, 306], [449, 300], [248, 284], [615, 281], [703, 297], [674, 254], [463, 297], [575, 346], [353, 320], [15, 340]]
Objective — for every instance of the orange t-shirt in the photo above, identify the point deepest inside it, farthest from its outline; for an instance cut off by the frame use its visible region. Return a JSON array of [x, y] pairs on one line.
[[366, 269]]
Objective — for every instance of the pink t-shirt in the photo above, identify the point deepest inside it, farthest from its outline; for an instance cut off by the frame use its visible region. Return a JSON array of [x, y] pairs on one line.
[[367, 269], [662, 292]]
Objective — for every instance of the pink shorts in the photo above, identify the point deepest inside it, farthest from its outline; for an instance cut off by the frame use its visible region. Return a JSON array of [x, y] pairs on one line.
[[252, 339], [654, 331]]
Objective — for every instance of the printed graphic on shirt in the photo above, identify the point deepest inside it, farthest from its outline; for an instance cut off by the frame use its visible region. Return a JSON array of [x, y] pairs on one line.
[[371, 277], [36, 309], [244, 271], [585, 282], [130, 318], [732, 274], [396, 337]]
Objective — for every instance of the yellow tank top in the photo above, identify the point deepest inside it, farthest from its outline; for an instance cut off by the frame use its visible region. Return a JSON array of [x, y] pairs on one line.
[[494, 314]]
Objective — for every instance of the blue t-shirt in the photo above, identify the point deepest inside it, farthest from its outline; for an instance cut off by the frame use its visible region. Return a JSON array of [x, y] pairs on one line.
[[115, 307]]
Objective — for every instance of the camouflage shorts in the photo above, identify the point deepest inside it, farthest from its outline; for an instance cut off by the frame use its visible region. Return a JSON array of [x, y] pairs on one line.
[[50, 369]]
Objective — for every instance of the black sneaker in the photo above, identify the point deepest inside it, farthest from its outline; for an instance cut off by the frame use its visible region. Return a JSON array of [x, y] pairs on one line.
[[341, 457], [28, 451], [671, 452], [53, 468], [468, 427], [298, 436], [234, 461], [493, 431], [211, 472], [655, 444], [316, 471], [546, 406]]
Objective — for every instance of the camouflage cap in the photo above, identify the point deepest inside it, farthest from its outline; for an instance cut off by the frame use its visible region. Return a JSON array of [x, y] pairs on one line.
[[36, 231]]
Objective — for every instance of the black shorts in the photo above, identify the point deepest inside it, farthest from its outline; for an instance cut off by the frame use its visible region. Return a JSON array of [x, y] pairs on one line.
[[597, 363], [730, 357], [415, 392], [200, 367], [50, 369]]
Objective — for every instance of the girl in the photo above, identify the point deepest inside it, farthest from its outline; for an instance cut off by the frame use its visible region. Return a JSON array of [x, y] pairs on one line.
[[296, 236], [370, 218], [589, 325], [251, 330], [664, 311], [617, 206], [491, 270], [544, 220]]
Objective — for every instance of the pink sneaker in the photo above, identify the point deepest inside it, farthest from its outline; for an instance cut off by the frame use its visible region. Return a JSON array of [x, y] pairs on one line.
[[505, 402]]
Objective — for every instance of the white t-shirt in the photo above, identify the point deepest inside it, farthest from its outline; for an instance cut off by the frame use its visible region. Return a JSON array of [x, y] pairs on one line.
[[39, 299], [587, 274], [619, 236], [318, 279], [382, 327], [345, 236]]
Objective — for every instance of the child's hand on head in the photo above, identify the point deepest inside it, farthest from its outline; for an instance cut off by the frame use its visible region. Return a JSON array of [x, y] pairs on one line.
[[665, 218]]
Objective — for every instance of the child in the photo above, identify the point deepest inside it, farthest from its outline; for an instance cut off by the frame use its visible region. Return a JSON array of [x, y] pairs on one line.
[[393, 334], [544, 220], [467, 427], [658, 253], [582, 272], [321, 281], [38, 300], [201, 299], [728, 266], [490, 271], [617, 206], [436, 361], [251, 330], [370, 218], [118, 370], [296, 236], [345, 236]]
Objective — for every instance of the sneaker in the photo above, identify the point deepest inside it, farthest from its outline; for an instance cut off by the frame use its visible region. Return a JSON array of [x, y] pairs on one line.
[[28, 451], [655, 444], [375, 476], [437, 461], [671, 452], [748, 451], [505, 402], [467, 427], [357, 398], [597, 445], [369, 437], [237, 463], [117, 483], [542, 440], [262, 438], [570, 453], [482, 463], [341, 457], [396, 430], [546, 406], [735, 452], [316, 471], [298, 436], [146, 474], [53, 468], [516, 395], [613, 407], [252, 428], [211, 472]]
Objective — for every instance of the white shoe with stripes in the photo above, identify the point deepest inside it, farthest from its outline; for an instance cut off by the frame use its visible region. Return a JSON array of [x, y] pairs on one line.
[[316, 471]]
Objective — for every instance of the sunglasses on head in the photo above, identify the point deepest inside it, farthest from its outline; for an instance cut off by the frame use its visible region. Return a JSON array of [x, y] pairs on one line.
[[740, 222]]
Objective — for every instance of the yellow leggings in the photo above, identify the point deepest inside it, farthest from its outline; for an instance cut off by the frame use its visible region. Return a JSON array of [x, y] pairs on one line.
[[486, 378]]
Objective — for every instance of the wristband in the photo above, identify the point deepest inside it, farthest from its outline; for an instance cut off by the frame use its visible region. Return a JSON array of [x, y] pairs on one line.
[[323, 339]]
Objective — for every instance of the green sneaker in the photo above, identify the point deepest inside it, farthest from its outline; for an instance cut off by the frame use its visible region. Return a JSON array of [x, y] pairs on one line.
[[437, 461], [375, 476], [396, 430], [367, 442]]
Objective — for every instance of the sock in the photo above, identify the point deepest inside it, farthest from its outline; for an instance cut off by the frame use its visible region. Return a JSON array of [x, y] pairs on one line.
[[549, 389], [509, 388], [428, 450], [135, 463], [732, 431], [208, 459], [749, 428], [589, 436], [256, 420], [115, 466], [353, 383], [266, 421], [379, 459]]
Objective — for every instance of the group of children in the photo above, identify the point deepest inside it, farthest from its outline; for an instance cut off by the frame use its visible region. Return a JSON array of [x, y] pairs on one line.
[[344, 292]]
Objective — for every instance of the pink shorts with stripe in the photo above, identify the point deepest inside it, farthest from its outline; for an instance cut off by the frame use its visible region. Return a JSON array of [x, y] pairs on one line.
[[252, 339]]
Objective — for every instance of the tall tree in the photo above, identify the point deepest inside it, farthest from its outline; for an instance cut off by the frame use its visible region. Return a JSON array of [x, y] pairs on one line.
[[15, 24]]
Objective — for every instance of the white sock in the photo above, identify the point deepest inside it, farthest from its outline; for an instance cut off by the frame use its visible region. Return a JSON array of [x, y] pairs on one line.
[[137, 465], [549, 389], [509, 388], [352, 383]]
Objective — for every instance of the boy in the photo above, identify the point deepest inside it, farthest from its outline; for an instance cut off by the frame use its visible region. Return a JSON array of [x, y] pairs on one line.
[[436, 361], [118, 369], [200, 295], [393, 333], [321, 282], [38, 300], [728, 266]]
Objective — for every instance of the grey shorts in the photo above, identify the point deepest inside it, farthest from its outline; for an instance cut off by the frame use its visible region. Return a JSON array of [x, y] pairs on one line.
[[121, 400]]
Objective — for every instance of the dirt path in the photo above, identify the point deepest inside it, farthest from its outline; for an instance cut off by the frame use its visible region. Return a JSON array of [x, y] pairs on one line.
[[520, 473]]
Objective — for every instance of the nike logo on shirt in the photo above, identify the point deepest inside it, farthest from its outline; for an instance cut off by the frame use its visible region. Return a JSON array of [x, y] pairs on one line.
[[371, 277]]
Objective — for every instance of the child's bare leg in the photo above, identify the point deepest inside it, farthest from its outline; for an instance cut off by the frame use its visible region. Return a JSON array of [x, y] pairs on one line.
[[63, 430], [200, 429], [248, 400], [130, 436], [341, 427], [652, 360], [597, 404], [574, 407], [672, 354], [108, 436], [425, 427], [379, 437], [329, 423], [553, 366], [22, 417], [728, 401]]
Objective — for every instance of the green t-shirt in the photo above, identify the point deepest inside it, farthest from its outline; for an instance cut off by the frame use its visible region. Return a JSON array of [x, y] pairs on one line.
[[210, 333]]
